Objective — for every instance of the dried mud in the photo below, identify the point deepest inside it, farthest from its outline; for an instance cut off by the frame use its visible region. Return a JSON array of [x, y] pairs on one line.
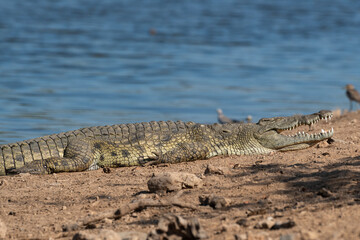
[[308, 194]]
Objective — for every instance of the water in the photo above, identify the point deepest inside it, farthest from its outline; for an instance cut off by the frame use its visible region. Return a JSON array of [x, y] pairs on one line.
[[75, 63]]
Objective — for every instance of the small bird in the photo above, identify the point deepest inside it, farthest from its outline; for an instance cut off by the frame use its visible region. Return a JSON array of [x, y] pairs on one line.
[[224, 119], [352, 94]]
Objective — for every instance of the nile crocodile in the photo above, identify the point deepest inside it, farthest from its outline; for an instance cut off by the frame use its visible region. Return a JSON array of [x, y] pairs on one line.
[[157, 142]]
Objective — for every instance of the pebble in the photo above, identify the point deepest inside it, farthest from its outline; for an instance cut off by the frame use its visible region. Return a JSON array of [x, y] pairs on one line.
[[243, 222], [322, 144], [215, 202], [288, 224], [177, 227], [173, 181], [325, 193], [210, 169], [265, 224]]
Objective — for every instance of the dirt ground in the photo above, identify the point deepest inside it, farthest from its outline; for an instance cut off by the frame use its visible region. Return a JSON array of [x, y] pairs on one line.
[[308, 194]]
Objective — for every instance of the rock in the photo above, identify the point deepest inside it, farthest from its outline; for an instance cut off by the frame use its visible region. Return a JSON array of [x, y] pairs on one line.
[[210, 169], [70, 227], [325, 193], [170, 225], [258, 211], [322, 144], [287, 224], [173, 181], [243, 222], [3, 229], [215, 202], [241, 236], [265, 224], [105, 234]]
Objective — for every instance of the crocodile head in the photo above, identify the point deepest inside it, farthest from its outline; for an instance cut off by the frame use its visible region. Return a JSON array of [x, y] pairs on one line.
[[268, 134]]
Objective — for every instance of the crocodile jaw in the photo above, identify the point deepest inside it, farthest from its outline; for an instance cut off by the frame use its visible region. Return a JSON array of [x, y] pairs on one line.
[[275, 141], [269, 132]]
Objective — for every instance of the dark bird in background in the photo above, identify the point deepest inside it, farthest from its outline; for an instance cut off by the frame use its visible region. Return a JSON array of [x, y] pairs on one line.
[[224, 119], [352, 94]]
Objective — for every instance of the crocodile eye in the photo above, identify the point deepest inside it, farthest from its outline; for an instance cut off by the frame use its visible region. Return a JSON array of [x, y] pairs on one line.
[[264, 120]]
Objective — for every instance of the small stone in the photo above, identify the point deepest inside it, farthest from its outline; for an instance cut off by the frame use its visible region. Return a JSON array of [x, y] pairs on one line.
[[236, 166], [287, 224], [258, 211], [142, 196], [177, 227], [12, 213], [299, 204], [70, 227], [322, 144], [210, 169], [243, 222], [173, 181], [215, 202], [325, 193], [265, 224]]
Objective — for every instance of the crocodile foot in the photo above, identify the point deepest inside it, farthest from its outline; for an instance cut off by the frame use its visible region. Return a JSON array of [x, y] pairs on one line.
[[34, 167]]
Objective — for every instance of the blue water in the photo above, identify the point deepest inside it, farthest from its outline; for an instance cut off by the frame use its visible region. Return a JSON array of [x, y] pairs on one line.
[[75, 63]]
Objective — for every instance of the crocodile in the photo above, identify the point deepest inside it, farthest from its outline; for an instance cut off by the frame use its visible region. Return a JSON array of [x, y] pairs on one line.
[[153, 142]]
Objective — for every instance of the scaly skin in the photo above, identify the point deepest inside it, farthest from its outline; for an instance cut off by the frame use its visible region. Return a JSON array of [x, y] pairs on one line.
[[159, 142]]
